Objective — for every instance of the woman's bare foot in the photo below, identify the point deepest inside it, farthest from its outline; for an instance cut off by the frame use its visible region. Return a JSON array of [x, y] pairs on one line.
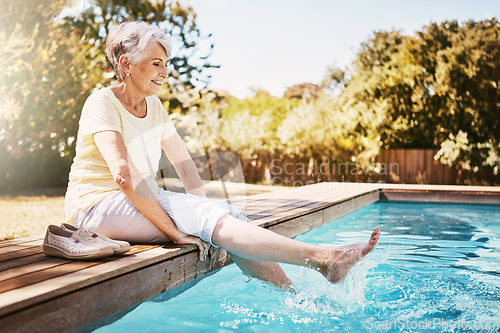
[[340, 260]]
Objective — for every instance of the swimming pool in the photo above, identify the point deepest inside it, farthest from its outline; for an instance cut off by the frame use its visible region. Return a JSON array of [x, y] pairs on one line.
[[437, 267]]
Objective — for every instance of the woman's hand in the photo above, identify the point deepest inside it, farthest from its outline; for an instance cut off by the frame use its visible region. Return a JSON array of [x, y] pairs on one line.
[[183, 239]]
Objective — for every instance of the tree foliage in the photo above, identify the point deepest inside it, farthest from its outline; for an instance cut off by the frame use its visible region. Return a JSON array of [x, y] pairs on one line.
[[430, 89], [273, 109], [435, 89], [438, 88], [303, 91], [40, 86]]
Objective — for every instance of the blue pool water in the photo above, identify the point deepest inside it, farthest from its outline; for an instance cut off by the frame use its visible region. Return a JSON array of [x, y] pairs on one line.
[[436, 268]]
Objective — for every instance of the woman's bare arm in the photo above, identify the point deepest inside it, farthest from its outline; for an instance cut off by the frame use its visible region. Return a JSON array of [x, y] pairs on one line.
[[178, 155], [131, 182]]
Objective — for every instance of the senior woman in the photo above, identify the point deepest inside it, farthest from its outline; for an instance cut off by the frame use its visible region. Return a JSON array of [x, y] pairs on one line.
[[112, 187]]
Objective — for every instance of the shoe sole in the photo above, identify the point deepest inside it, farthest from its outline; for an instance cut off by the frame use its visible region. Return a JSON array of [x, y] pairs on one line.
[[57, 252]]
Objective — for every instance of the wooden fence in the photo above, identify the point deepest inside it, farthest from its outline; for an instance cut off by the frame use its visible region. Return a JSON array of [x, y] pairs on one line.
[[405, 166], [418, 166]]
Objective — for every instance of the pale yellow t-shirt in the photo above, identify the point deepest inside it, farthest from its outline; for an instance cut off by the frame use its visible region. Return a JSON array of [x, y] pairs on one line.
[[90, 179]]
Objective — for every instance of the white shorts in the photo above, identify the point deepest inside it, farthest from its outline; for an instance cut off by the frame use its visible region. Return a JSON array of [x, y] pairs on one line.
[[117, 218]]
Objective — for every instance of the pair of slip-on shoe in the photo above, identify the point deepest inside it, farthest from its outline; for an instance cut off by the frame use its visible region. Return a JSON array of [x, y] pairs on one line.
[[70, 242]]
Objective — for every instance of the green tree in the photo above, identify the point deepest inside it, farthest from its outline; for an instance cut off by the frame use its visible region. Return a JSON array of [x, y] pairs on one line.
[[303, 91], [427, 90], [40, 84], [263, 105], [323, 131], [335, 80], [467, 85]]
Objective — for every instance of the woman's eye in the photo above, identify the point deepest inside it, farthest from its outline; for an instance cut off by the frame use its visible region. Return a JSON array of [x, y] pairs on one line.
[[156, 65]]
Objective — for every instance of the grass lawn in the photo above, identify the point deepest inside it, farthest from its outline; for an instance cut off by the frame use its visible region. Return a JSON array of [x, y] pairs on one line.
[[30, 214]]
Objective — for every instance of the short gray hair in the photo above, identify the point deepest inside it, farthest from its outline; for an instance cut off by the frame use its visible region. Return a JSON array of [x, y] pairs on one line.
[[130, 39]]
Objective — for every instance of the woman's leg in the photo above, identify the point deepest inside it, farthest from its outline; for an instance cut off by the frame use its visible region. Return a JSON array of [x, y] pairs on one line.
[[117, 218], [264, 270], [251, 242]]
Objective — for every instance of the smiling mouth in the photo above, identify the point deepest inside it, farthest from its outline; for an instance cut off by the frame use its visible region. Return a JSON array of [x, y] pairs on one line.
[[156, 82]]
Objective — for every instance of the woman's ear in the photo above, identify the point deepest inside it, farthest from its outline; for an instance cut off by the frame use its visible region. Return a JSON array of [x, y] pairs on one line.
[[124, 63]]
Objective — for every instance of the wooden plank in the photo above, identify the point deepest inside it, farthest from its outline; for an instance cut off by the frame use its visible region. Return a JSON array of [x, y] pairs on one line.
[[412, 167], [325, 195], [269, 204], [409, 166], [440, 171], [72, 311], [304, 223], [320, 201], [421, 173], [308, 195], [31, 268], [21, 240], [258, 205], [268, 220], [393, 159], [28, 279], [21, 253], [429, 158], [21, 246], [279, 207], [4, 265], [62, 268], [397, 159], [280, 210], [16, 299], [267, 207]]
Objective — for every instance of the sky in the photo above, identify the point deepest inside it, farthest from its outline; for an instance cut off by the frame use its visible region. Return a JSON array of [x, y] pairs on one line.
[[274, 44]]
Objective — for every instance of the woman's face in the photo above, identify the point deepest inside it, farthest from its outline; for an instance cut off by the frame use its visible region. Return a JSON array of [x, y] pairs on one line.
[[148, 74]]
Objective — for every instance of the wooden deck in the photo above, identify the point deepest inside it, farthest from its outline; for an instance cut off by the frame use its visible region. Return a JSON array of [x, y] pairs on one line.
[[43, 294]]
